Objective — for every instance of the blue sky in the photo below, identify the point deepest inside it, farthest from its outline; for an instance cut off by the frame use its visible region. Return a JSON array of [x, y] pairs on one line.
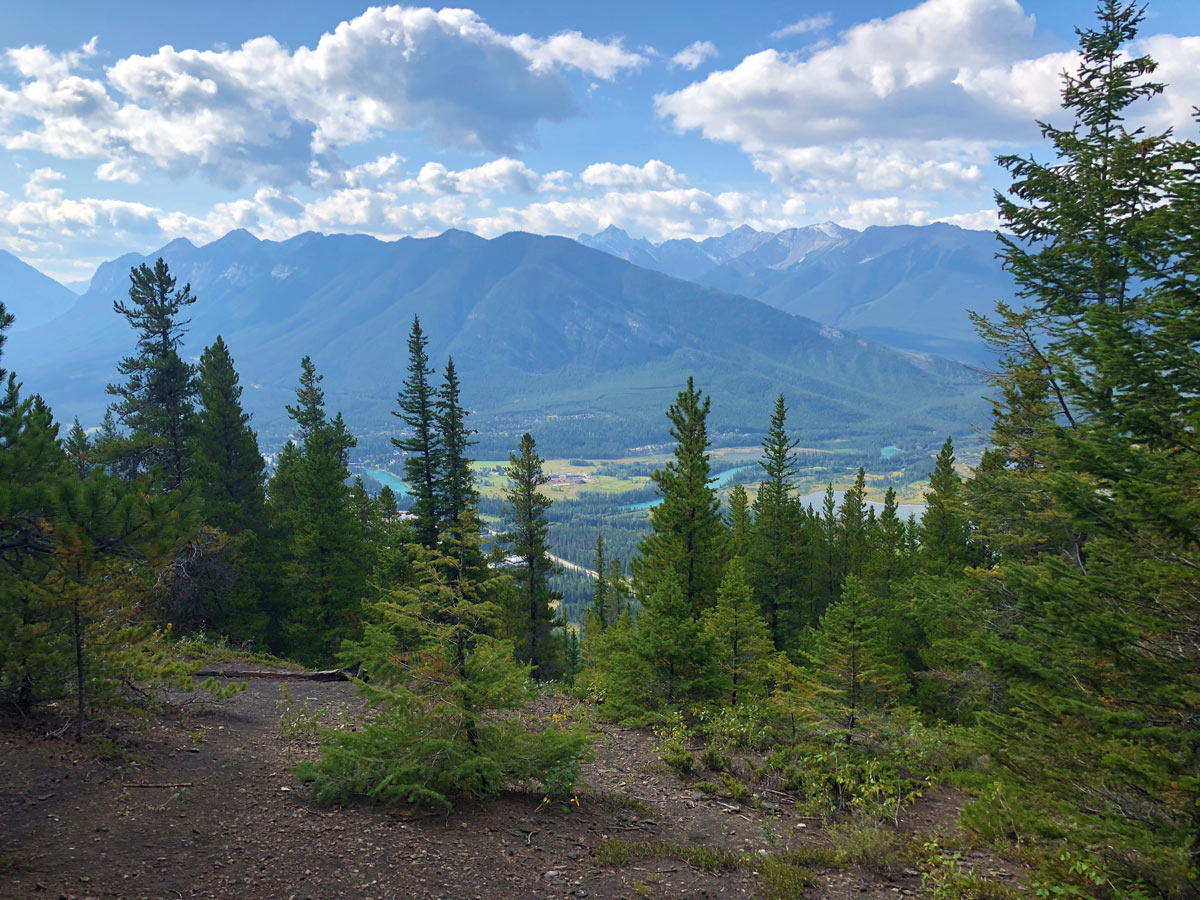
[[127, 124]]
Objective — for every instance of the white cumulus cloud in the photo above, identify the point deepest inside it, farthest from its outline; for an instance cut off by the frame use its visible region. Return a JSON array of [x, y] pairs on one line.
[[265, 113], [693, 55]]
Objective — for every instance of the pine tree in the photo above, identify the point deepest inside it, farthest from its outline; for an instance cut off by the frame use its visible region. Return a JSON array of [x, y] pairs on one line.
[[597, 618], [454, 484], [441, 686], [776, 552], [687, 536], [78, 447], [737, 630], [156, 401], [850, 658], [226, 465], [528, 540], [739, 521], [617, 588], [418, 413], [309, 411], [944, 530], [678, 658], [326, 557], [1089, 498], [853, 530]]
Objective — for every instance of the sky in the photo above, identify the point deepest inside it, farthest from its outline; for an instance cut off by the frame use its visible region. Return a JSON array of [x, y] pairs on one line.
[[124, 125]]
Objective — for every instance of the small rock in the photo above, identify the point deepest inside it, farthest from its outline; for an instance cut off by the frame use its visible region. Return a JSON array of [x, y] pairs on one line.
[[550, 874]]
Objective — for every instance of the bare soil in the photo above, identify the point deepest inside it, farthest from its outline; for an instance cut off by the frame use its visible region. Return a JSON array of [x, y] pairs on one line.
[[203, 805]]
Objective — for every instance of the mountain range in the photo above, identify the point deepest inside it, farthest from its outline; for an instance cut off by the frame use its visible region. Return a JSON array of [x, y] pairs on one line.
[[584, 349], [31, 297], [905, 285]]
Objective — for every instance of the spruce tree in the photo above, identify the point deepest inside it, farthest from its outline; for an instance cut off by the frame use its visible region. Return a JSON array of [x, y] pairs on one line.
[[678, 659], [326, 557], [597, 618], [739, 634], [850, 659], [156, 400], [442, 689], [309, 411], [739, 521], [226, 465], [853, 530], [687, 535], [418, 413], [617, 588], [944, 530], [776, 552], [78, 447], [454, 483], [529, 540], [1089, 499]]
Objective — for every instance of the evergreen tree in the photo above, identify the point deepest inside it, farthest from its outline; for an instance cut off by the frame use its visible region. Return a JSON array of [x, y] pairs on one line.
[[441, 686], [687, 536], [78, 447], [1093, 595], [598, 613], [739, 522], [454, 484], [226, 465], [617, 588], [739, 634], [944, 530], [777, 552], [850, 659], [156, 401], [853, 528], [529, 540], [326, 555], [417, 411], [309, 411], [678, 658]]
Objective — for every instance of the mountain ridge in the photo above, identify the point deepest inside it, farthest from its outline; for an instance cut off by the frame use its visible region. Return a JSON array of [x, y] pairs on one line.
[[547, 335], [905, 285]]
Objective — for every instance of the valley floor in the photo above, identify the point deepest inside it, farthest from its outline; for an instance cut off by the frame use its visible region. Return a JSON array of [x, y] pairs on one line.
[[204, 806]]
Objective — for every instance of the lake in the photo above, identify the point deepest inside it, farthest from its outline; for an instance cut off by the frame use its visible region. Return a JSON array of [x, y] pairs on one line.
[[395, 482]]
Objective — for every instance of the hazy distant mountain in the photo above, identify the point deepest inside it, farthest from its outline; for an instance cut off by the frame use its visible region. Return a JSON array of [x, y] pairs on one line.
[[584, 349], [31, 297], [909, 286], [79, 288]]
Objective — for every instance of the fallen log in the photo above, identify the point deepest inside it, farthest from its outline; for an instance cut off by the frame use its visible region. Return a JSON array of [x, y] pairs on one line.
[[325, 675]]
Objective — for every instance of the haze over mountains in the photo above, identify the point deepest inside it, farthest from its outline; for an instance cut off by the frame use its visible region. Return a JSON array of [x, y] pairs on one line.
[[905, 285], [586, 349], [31, 297]]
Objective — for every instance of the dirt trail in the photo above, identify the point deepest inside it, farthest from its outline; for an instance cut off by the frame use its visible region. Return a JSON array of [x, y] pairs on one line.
[[223, 817]]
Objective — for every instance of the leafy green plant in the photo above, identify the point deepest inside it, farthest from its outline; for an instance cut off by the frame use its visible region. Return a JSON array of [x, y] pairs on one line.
[[296, 720]]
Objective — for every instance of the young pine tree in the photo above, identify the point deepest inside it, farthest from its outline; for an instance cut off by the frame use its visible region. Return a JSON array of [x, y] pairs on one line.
[[739, 634], [687, 538], [529, 540], [418, 413], [678, 659], [598, 614], [156, 400], [850, 659], [443, 689], [326, 557], [944, 529], [227, 468]]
